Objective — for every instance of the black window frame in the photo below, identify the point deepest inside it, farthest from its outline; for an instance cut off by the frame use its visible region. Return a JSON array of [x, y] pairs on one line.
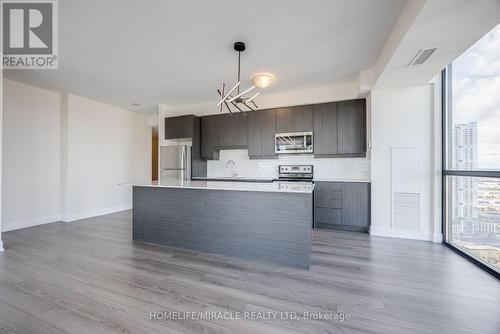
[[446, 110]]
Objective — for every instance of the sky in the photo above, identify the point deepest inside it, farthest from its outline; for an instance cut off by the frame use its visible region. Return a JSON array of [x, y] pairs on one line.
[[476, 95]]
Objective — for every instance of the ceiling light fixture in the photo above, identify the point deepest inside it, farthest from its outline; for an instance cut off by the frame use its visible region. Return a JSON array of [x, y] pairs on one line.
[[236, 99], [263, 80]]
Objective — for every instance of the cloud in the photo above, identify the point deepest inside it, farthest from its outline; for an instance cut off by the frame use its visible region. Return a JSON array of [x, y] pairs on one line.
[[482, 58], [476, 95]]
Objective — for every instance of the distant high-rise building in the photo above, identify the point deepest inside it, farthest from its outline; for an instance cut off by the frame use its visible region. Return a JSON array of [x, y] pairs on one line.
[[475, 201], [464, 147], [464, 157]]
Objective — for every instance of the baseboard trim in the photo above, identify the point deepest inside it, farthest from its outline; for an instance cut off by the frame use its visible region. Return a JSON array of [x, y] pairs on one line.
[[474, 260], [438, 238], [94, 213], [391, 233], [17, 225], [348, 228]]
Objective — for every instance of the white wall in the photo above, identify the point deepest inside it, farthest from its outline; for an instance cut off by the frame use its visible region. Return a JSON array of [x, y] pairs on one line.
[[329, 169], [403, 117], [106, 146], [64, 156], [291, 98], [1, 143], [31, 156]]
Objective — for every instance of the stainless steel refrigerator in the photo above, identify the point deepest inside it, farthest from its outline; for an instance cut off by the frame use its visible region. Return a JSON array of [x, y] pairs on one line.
[[175, 163]]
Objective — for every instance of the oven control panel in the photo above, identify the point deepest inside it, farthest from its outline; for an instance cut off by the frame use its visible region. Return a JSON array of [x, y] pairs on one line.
[[299, 171], [296, 186]]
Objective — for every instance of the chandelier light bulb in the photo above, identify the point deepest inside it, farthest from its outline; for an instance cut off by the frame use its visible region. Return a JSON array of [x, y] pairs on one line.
[[263, 80]]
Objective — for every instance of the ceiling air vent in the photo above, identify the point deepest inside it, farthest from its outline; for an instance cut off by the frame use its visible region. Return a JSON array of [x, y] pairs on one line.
[[421, 56]]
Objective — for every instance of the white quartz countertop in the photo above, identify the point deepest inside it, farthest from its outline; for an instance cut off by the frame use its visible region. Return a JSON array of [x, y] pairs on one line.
[[283, 187], [233, 179], [270, 179], [341, 180]]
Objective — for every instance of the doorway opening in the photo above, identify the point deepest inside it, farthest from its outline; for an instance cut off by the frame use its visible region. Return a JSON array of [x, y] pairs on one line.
[[154, 154]]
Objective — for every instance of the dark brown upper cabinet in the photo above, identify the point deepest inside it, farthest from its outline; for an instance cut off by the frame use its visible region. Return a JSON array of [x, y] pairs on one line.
[[208, 138], [223, 131], [325, 129], [294, 119], [188, 126], [352, 127], [340, 129], [231, 131], [284, 120], [303, 119], [179, 127], [261, 130]]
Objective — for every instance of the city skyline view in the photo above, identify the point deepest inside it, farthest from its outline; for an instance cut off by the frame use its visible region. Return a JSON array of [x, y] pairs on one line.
[[475, 211], [476, 95], [474, 144]]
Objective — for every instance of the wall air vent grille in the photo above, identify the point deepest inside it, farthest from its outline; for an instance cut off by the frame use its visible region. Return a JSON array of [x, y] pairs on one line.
[[421, 56]]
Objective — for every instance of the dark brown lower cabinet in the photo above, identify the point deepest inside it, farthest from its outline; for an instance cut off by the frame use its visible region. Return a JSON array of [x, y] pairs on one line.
[[342, 205]]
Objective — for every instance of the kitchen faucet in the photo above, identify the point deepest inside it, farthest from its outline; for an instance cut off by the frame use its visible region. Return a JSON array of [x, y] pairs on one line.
[[234, 164]]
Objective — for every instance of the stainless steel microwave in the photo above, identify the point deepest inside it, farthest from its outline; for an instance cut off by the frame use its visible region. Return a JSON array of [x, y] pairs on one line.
[[297, 142]]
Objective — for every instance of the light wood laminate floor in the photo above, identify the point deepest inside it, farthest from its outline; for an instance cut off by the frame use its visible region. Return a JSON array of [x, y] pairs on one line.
[[89, 277]]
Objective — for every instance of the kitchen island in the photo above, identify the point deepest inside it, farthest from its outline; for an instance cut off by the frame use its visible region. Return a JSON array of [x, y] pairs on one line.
[[269, 222]]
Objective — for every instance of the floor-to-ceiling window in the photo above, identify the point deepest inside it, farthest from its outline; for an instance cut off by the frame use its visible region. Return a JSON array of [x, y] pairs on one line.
[[471, 158]]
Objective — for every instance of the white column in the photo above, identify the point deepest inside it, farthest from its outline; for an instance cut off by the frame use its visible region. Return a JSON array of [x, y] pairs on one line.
[[64, 157], [437, 162], [1, 136]]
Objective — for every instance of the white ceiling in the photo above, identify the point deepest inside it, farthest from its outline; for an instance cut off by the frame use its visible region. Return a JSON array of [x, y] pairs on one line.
[[179, 52], [447, 25]]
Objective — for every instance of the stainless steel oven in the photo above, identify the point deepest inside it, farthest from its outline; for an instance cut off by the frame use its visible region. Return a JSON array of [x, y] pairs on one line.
[[295, 177], [296, 142], [301, 173]]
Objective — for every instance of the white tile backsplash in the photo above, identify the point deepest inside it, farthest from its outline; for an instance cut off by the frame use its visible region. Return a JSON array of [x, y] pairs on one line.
[[355, 169]]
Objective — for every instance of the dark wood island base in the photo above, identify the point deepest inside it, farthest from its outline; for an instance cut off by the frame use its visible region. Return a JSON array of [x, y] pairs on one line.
[[269, 226]]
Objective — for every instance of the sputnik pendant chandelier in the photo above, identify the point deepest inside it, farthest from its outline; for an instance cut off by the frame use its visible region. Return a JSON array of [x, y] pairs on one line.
[[234, 100]]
